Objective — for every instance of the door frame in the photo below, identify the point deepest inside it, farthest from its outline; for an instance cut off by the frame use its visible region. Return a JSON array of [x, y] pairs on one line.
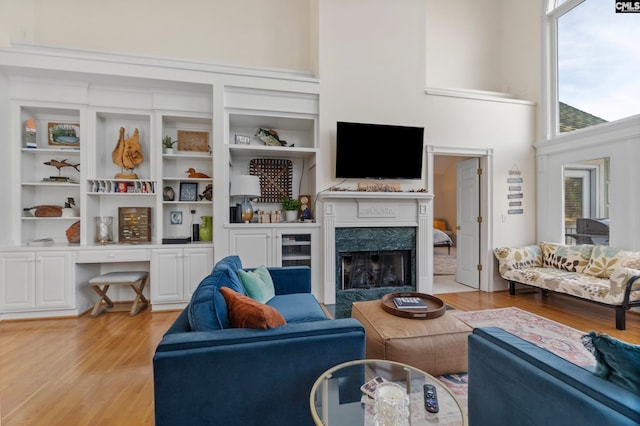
[[486, 205]]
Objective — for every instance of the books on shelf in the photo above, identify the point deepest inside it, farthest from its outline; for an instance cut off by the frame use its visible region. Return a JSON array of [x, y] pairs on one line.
[[409, 303]]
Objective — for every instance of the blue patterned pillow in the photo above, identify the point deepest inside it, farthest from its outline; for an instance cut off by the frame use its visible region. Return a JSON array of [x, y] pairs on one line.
[[617, 361]]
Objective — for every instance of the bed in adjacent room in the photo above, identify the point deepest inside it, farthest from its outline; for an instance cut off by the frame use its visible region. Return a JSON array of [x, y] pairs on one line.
[[441, 239]]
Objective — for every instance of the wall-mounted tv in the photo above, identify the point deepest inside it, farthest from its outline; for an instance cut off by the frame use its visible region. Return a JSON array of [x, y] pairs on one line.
[[378, 151]]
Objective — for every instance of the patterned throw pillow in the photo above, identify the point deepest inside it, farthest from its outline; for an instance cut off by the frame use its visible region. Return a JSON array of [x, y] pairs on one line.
[[604, 260], [617, 361], [567, 258]]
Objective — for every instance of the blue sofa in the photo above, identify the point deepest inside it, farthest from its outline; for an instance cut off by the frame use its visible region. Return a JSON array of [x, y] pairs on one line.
[[208, 373], [514, 382]]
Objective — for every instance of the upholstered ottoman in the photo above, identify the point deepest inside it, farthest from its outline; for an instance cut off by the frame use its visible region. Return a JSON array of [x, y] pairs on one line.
[[437, 346]]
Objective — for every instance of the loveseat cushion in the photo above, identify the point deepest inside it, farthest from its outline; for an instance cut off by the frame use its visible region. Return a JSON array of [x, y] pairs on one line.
[[298, 307], [568, 258], [603, 261], [245, 312], [208, 309]]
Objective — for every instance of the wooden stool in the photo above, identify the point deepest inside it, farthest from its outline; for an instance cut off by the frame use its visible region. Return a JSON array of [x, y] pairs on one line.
[[136, 279]]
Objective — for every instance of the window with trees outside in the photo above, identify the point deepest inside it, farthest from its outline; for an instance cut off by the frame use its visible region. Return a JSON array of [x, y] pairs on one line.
[[593, 46]]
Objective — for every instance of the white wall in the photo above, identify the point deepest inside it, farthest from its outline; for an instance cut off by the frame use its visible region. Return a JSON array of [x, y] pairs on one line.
[[381, 79], [463, 36], [374, 59], [273, 33]]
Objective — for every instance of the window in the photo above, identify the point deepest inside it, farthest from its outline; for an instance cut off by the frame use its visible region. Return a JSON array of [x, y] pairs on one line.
[[593, 63], [586, 195]]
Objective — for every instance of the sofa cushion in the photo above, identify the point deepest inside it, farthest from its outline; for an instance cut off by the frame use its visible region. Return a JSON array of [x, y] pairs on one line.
[[208, 309], [258, 284], [603, 261], [518, 258], [617, 361], [298, 307], [568, 258], [244, 312]]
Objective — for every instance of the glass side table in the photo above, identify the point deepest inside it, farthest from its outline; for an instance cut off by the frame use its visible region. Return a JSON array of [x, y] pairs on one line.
[[337, 398]]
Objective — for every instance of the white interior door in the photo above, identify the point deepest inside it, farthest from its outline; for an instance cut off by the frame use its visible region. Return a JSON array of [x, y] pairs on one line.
[[468, 230]]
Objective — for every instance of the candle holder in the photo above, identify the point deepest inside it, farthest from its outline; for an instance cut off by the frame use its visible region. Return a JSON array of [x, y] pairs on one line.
[[104, 229]]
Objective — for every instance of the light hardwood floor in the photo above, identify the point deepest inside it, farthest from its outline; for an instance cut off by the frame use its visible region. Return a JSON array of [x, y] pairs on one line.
[[98, 371]]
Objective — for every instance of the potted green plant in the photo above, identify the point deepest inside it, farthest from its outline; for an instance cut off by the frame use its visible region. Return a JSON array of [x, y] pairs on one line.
[[291, 207], [167, 145]]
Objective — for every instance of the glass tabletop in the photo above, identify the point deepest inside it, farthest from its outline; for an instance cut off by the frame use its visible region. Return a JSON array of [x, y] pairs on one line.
[[344, 395]]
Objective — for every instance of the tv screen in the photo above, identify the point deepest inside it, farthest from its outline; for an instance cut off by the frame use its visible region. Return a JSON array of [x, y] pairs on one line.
[[378, 151]]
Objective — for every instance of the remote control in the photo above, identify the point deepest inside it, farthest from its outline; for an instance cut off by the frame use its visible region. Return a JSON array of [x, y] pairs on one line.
[[431, 399]]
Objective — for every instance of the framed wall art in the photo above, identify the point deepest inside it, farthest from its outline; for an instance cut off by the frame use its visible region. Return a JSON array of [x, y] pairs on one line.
[[64, 134], [193, 141], [188, 191]]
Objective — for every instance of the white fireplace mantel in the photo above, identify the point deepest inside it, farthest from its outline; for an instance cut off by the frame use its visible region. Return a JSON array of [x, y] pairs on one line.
[[377, 209]]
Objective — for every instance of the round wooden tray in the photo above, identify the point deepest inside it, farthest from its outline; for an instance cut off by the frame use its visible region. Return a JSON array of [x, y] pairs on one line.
[[435, 307]]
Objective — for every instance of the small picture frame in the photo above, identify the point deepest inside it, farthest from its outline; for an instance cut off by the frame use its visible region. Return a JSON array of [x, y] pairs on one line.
[[189, 140], [243, 140], [175, 218], [63, 134], [188, 191]]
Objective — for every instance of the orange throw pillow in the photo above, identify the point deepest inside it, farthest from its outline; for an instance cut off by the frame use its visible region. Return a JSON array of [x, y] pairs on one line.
[[244, 312]]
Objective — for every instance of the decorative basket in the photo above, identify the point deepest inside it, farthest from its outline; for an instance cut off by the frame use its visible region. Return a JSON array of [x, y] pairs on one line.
[[275, 178]]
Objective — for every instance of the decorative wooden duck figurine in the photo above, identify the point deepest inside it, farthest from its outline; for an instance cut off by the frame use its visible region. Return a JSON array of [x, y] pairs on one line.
[[193, 174]]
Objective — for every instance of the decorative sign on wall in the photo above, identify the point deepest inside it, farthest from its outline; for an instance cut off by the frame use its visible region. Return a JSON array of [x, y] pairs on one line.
[[515, 195]]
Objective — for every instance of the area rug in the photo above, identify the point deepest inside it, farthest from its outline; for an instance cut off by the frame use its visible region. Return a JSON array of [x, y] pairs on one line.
[[443, 263], [555, 337]]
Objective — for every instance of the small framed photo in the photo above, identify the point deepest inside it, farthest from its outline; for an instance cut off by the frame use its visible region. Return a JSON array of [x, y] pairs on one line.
[[243, 140], [64, 134], [188, 191], [175, 218]]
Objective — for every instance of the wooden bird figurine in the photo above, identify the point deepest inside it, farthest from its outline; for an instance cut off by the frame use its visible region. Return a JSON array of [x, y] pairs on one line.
[[193, 174]]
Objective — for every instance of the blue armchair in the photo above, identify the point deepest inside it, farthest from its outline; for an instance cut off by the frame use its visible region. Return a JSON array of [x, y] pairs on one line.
[[206, 372]]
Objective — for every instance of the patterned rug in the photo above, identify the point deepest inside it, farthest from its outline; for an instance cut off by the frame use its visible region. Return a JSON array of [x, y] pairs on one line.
[[555, 337], [443, 263]]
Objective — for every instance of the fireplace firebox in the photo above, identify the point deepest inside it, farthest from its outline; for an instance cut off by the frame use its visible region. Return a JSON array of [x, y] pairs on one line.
[[373, 269]]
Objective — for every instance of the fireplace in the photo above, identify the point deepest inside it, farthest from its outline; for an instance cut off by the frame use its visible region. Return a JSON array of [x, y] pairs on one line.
[[371, 262], [372, 269], [373, 224]]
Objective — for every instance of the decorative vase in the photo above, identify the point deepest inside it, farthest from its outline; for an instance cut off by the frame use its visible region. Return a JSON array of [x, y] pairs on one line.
[[206, 228], [291, 215], [167, 150]]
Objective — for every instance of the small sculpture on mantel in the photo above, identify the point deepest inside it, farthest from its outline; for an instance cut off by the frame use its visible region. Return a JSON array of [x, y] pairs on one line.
[[127, 154]]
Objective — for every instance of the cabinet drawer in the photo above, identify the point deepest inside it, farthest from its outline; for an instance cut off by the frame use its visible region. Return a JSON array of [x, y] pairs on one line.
[[104, 256]]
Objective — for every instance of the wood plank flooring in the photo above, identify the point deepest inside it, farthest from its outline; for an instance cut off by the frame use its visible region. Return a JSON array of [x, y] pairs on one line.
[[98, 371]]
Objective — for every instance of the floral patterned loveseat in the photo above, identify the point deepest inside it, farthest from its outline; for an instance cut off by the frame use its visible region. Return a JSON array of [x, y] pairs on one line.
[[600, 274]]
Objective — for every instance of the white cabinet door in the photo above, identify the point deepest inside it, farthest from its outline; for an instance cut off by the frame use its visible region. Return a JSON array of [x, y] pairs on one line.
[[254, 246], [54, 286], [166, 275], [198, 263], [176, 273], [33, 281], [18, 275]]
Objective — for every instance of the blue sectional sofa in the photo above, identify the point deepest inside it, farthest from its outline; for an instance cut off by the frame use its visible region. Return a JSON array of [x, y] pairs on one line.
[[208, 373], [514, 382]]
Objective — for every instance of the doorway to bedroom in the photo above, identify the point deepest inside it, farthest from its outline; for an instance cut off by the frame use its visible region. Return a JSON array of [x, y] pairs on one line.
[[457, 190]]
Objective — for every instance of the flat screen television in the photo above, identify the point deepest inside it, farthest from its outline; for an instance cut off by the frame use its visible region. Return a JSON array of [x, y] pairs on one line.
[[378, 151]]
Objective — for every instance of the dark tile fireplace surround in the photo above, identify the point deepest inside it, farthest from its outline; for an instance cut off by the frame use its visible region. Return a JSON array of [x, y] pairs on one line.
[[371, 262]]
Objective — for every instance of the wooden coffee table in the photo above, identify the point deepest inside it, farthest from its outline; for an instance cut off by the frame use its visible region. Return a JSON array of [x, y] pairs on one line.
[[336, 398]]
